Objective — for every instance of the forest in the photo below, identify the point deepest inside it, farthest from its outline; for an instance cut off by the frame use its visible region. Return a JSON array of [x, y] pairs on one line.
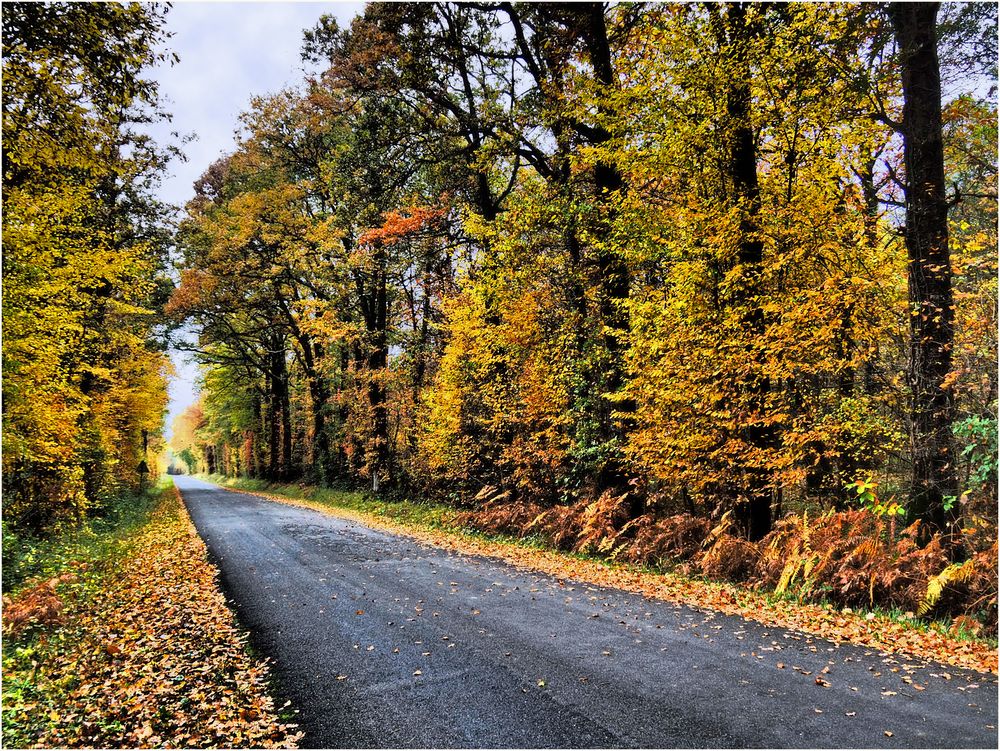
[[701, 285], [86, 269]]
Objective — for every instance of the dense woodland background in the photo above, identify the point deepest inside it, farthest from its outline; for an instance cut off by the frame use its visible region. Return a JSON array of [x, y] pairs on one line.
[[710, 284]]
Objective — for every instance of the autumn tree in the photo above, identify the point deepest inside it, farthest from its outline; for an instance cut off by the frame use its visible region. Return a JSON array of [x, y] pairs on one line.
[[295, 266], [553, 254], [932, 314], [84, 256]]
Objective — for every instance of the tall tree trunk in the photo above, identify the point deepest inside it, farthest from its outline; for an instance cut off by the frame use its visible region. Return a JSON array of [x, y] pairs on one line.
[[754, 510], [272, 427], [932, 409], [287, 467], [375, 309], [869, 192], [343, 411], [377, 364], [319, 396], [614, 280], [280, 433], [253, 463], [311, 353]]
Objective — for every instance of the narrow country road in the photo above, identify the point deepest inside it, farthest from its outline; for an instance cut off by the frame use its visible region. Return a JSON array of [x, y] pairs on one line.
[[380, 641]]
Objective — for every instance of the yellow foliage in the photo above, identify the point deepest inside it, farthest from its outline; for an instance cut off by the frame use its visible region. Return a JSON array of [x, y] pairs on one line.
[[952, 574]]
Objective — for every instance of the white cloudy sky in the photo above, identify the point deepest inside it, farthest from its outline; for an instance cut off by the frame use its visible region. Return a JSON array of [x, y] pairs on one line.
[[229, 52]]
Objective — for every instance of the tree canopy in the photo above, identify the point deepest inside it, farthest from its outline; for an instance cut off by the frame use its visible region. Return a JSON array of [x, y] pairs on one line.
[[84, 257], [548, 252]]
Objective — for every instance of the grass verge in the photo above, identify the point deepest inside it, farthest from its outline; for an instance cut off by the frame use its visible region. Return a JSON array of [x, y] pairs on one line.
[[888, 632], [141, 651]]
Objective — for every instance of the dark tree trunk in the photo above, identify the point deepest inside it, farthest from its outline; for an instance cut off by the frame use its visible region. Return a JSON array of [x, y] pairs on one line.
[[613, 273], [253, 460], [253, 465], [279, 414], [318, 396], [753, 511], [272, 428], [869, 192], [932, 409], [287, 467], [377, 365], [375, 309], [614, 280], [343, 413]]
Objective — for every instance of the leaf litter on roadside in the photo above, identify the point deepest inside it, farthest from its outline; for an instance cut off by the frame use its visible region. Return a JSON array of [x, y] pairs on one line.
[[154, 659]]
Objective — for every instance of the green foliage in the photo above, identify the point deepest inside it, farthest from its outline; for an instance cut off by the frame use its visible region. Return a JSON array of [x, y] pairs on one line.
[[190, 460], [26, 557], [865, 492], [978, 437]]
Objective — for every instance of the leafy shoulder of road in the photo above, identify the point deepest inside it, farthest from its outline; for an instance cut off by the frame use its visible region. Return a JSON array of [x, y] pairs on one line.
[[439, 525], [131, 644]]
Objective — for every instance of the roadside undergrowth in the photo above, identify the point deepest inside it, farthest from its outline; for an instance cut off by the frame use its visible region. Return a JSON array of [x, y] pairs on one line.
[[441, 526], [134, 647]]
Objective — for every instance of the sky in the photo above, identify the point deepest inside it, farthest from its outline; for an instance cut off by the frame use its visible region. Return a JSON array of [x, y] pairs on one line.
[[229, 52]]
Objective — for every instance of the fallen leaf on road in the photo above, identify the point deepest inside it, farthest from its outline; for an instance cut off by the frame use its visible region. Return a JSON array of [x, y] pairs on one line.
[[888, 733], [866, 629]]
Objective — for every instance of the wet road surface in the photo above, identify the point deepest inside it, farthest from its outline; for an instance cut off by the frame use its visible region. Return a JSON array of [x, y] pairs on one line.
[[381, 641]]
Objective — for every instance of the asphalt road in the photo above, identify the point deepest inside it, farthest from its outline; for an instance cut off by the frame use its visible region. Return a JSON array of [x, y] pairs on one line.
[[380, 641]]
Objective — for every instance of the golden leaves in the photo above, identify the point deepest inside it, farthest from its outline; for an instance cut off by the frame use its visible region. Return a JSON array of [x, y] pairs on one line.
[[158, 659]]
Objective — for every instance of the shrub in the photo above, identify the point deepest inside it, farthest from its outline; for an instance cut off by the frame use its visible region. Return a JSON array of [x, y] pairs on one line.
[[38, 606]]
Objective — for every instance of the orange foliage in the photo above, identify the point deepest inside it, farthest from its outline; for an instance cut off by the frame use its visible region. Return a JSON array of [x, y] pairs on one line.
[[40, 606], [401, 224]]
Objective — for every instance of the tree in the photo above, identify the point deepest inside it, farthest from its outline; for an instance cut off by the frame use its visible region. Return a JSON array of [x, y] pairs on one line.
[[84, 256], [932, 314], [543, 254]]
